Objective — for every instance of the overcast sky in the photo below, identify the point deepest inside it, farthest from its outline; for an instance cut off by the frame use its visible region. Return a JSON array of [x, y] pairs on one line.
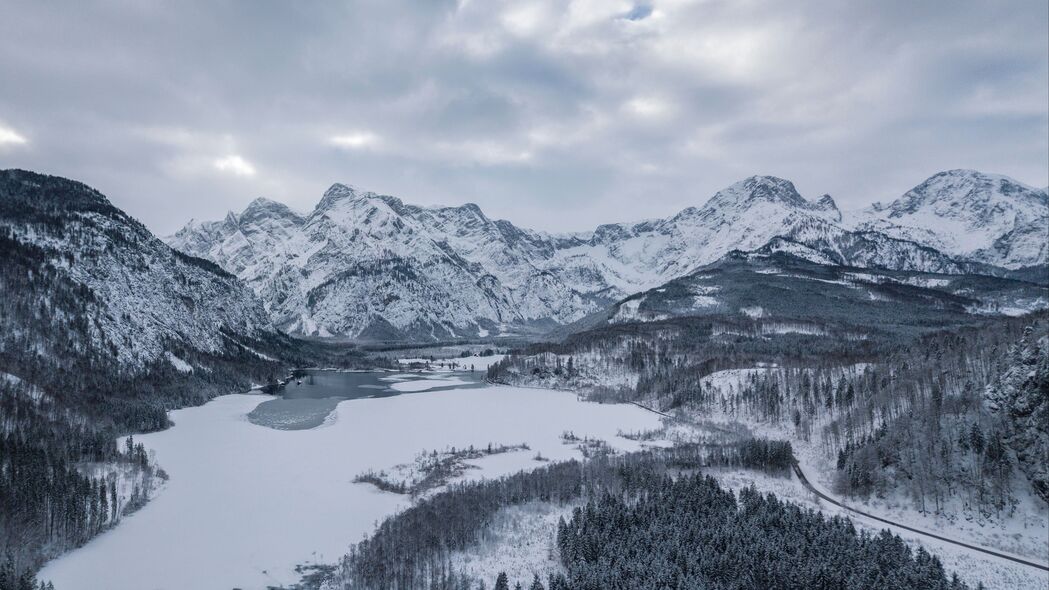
[[556, 115]]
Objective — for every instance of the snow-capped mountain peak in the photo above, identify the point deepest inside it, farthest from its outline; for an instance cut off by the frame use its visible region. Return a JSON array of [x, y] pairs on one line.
[[368, 264], [986, 217], [339, 192], [978, 192], [826, 203], [758, 188]]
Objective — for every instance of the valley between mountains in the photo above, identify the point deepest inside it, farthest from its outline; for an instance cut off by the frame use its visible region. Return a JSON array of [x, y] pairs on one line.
[[375, 394]]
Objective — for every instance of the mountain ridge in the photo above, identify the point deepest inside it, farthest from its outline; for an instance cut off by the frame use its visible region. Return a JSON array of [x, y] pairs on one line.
[[500, 278]]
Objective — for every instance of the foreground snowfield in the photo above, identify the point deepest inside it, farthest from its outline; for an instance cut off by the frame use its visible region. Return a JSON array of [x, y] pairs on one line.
[[246, 503]]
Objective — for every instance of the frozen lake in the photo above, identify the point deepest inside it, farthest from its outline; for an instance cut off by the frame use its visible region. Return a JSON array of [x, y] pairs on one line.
[[247, 502]]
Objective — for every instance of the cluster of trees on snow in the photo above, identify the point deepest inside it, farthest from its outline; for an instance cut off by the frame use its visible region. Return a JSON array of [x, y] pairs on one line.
[[955, 415], [773, 456], [431, 470], [648, 519], [690, 533], [50, 499], [1019, 396], [666, 359], [413, 549]]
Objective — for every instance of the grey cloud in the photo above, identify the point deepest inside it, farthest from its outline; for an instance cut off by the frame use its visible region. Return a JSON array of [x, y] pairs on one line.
[[525, 112]]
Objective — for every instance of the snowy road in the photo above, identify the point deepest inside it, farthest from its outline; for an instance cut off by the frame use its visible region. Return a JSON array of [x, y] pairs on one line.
[[808, 485], [818, 493]]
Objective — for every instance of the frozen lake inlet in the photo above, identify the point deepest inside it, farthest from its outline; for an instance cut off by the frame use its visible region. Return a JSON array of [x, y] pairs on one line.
[[246, 503]]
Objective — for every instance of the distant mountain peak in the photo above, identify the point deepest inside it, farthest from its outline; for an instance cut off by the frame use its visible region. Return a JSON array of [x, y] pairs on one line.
[[986, 217], [337, 193], [826, 202], [263, 207], [962, 187], [339, 190], [759, 188], [264, 203], [345, 193]]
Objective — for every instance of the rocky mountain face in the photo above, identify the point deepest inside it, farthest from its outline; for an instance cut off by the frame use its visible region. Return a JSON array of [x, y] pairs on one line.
[[968, 214], [83, 280], [371, 266], [759, 212]]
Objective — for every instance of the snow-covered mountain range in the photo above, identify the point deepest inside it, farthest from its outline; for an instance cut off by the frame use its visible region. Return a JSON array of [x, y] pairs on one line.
[[370, 266]]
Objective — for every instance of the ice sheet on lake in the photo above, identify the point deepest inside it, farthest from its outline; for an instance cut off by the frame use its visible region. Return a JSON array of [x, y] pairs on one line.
[[246, 503]]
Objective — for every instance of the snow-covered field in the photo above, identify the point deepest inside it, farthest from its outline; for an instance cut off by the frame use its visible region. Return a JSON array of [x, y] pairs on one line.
[[246, 503]]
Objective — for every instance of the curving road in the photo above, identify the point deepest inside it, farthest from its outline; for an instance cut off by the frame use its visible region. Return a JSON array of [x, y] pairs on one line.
[[811, 488]]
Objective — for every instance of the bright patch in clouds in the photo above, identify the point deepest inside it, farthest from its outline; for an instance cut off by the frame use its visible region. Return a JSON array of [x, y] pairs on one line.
[[649, 107], [355, 141], [9, 136], [235, 165], [524, 20]]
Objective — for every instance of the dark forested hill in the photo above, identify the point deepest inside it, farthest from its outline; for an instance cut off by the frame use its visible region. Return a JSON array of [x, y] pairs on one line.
[[785, 291], [82, 277]]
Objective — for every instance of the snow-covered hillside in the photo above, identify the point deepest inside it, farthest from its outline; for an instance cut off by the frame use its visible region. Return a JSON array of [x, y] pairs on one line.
[[965, 213], [368, 265], [85, 280]]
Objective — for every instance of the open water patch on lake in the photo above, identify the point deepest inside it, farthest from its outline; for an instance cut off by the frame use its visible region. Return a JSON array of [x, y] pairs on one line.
[[308, 401]]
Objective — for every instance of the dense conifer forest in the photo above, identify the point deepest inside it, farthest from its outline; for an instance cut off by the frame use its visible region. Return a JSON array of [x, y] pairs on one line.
[[690, 533]]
